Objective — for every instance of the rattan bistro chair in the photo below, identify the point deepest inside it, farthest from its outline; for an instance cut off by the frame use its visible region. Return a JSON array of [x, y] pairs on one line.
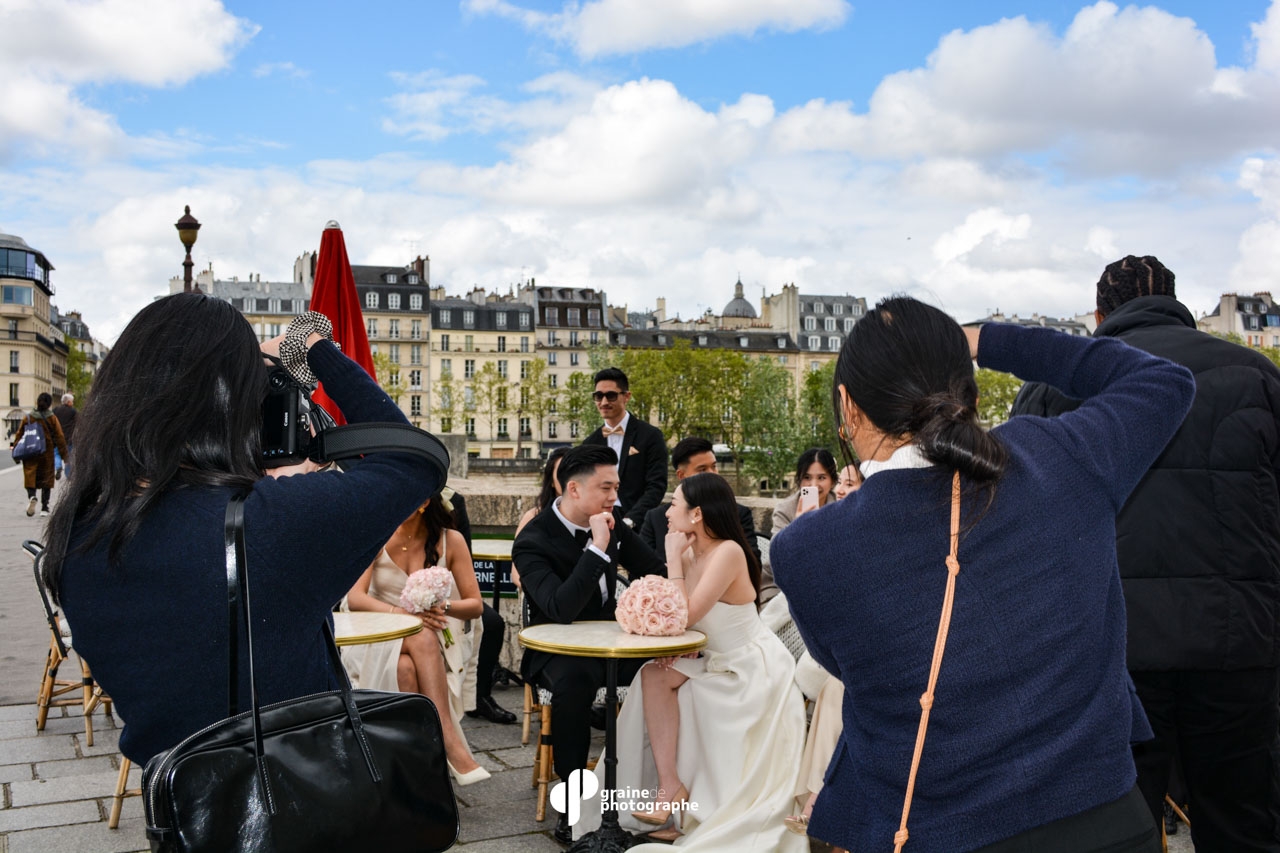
[[90, 695], [53, 690]]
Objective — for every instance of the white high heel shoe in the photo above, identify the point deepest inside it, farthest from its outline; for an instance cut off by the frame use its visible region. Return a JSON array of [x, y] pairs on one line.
[[468, 778]]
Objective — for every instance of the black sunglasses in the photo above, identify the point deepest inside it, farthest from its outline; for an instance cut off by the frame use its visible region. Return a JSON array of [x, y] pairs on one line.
[[611, 396]]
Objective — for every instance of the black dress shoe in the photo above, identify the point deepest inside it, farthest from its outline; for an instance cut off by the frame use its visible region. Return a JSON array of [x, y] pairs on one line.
[[490, 710], [563, 832]]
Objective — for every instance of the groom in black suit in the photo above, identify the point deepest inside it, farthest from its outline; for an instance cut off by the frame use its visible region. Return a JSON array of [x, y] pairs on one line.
[[568, 557], [641, 447], [691, 456]]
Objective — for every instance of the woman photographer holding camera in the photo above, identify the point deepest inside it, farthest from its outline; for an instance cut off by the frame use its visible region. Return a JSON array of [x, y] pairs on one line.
[[135, 550]]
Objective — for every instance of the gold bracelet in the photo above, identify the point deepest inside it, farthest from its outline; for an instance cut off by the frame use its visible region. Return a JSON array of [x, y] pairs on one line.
[[676, 578]]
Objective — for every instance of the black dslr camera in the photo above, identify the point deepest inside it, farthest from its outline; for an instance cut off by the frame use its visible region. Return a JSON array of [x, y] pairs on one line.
[[288, 416], [295, 429]]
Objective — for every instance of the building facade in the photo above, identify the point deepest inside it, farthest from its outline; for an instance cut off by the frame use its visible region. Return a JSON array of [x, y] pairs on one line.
[[1070, 326], [1256, 319], [76, 334], [37, 348], [481, 347], [395, 302], [569, 322]]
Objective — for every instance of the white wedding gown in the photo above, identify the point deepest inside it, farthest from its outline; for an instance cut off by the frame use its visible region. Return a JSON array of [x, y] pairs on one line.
[[742, 731]]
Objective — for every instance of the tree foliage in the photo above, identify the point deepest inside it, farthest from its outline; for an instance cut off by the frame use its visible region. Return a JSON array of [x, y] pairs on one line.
[[996, 393], [448, 403], [490, 389], [79, 379], [576, 406], [388, 376]]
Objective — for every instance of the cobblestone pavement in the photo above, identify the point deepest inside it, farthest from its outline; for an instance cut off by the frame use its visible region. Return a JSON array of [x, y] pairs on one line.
[[55, 789]]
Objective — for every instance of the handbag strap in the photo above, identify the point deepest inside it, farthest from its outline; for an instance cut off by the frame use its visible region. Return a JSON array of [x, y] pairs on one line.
[[237, 600], [939, 646]]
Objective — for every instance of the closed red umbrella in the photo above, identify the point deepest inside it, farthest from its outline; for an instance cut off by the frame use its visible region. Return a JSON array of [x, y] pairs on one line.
[[334, 295]]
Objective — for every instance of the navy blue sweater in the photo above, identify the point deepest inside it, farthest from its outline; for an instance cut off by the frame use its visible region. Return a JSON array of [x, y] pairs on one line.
[[154, 628], [1034, 710]]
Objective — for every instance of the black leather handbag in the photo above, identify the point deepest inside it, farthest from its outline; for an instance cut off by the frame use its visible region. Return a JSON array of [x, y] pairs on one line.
[[343, 770]]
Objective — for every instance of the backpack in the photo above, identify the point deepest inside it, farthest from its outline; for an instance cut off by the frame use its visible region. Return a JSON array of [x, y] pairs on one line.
[[31, 444]]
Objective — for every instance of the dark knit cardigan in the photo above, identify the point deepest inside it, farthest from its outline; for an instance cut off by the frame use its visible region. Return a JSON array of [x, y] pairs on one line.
[[154, 627], [1034, 710]]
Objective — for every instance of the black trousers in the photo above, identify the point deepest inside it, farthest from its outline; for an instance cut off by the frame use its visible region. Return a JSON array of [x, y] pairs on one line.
[[573, 683], [495, 629], [1221, 726], [1120, 826]]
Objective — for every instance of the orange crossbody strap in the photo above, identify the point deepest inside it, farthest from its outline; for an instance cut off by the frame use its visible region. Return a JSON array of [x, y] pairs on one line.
[[939, 646]]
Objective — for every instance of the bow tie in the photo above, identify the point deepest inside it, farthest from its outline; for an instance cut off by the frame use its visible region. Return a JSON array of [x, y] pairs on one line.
[[618, 430], [583, 536]]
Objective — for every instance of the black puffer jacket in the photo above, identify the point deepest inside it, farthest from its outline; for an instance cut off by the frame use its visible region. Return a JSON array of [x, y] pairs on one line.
[[1199, 540]]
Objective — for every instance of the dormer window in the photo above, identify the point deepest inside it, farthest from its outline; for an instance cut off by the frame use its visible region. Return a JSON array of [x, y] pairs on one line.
[[817, 307], [702, 340], [412, 278], [782, 343], [742, 341], [390, 278], [393, 301], [371, 299], [662, 340]]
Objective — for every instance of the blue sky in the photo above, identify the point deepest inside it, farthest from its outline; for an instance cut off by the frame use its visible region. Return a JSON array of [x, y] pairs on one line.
[[929, 147]]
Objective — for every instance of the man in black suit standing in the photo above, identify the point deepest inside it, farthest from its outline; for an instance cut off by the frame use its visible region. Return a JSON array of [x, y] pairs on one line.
[[691, 456], [568, 557], [640, 447]]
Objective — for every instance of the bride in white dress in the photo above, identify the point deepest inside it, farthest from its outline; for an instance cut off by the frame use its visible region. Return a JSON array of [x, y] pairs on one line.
[[717, 736]]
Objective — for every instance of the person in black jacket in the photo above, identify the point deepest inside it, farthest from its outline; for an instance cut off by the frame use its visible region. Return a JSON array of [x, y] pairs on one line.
[[691, 456], [640, 447], [568, 557], [1198, 544]]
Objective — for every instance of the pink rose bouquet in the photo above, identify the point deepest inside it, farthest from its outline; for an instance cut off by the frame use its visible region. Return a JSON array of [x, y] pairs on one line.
[[425, 589], [653, 607]]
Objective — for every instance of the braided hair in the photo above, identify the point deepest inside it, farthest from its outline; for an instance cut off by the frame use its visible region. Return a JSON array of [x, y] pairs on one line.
[[1131, 277]]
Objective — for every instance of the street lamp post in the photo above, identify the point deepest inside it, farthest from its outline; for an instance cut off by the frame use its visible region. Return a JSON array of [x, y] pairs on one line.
[[187, 227]]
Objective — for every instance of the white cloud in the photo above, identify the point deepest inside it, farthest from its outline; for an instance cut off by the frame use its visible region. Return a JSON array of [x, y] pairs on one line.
[[49, 47], [432, 105], [641, 191], [283, 69], [607, 27], [1258, 267], [1122, 90]]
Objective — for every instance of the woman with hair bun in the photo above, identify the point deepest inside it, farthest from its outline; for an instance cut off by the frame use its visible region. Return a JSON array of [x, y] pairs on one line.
[[1021, 684]]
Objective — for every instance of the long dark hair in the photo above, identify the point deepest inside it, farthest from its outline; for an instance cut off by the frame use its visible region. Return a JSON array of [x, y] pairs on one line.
[[436, 519], [816, 454], [907, 366], [548, 493], [715, 497], [177, 403]]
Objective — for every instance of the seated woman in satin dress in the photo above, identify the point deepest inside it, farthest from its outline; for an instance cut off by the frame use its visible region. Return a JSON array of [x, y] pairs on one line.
[[424, 665], [715, 739]]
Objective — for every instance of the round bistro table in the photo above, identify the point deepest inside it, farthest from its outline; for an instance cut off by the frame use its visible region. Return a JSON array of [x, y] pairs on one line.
[[366, 626], [607, 640]]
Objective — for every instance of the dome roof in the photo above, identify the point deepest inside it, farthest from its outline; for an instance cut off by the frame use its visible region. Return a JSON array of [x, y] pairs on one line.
[[739, 306]]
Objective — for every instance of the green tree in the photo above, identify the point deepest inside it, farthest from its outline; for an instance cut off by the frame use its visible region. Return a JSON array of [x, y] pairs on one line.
[[491, 394], [537, 398], [996, 393], [448, 399], [817, 414], [770, 437], [388, 375], [576, 405], [78, 377]]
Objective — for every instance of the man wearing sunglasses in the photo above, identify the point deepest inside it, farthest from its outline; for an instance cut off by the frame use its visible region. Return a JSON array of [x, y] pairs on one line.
[[641, 448]]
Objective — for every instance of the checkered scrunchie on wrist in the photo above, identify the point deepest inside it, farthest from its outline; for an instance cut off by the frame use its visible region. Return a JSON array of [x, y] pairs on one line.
[[293, 349]]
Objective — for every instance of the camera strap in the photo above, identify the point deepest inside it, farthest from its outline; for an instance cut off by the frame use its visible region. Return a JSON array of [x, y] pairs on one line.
[[352, 440]]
